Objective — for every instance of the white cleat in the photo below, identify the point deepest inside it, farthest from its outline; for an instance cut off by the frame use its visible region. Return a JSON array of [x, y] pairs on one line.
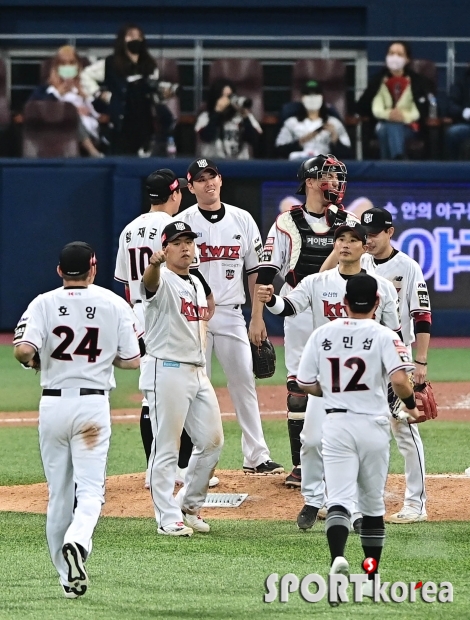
[[407, 515], [322, 513], [197, 523], [368, 589], [340, 566], [213, 482], [175, 529]]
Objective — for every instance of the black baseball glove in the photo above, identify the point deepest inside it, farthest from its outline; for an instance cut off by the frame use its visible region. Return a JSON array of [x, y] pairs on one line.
[[264, 359]]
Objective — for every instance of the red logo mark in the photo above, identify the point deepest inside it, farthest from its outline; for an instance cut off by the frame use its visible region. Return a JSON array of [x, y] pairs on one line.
[[218, 252], [334, 311], [369, 565], [189, 310], [418, 585]]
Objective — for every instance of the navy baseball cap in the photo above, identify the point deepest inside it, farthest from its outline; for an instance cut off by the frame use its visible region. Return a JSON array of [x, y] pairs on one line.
[[376, 219], [174, 230], [361, 291], [76, 258], [162, 183], [198, 166], [357, 229]]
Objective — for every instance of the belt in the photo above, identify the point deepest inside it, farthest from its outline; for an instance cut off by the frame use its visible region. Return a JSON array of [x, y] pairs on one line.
[[137, 301], [83, 392], [336, 410]]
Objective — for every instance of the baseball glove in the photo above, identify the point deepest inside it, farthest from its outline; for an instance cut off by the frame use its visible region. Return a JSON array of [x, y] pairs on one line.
[[264, 359], [425, 403]]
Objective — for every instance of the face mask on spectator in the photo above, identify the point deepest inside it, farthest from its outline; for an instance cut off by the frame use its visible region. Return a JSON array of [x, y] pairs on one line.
[[67, 72], [395, 62], [312, 102], [135, 46]]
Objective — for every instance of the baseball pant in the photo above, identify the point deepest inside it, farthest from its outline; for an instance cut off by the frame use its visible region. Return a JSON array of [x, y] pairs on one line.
[[297, 330], [227, 336], [313, 484], [410, 445], [74, 433], [356, 452], [180, 395]]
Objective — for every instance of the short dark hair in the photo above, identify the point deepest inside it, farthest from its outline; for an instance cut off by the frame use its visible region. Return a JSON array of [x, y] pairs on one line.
[[79, 278], [406, 46]]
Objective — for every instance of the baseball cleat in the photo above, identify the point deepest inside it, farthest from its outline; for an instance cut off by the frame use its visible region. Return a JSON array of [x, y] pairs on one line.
[[197, 523], [175, 529], [307, 517], [77, 575], [67, 590], [368, 589], [264, 469], [180, 476], [322, 513], [213, 482], [407, 515], [356, 526], [340, 566], [294, 479]]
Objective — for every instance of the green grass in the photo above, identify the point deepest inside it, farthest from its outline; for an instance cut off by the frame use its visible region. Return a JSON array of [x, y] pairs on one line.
[[446, 448], [20, 389], [136, 574]]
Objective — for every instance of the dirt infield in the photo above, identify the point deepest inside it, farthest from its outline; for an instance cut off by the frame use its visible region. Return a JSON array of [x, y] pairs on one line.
[[268, 497]]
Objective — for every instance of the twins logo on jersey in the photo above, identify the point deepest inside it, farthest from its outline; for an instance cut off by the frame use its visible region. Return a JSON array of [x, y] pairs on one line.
[[218, 252], [189, 310]]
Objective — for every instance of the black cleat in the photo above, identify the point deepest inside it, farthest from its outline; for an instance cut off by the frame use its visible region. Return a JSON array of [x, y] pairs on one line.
[[77, 575], [307, 517], [265, 469], [357, 525], [294, 479]]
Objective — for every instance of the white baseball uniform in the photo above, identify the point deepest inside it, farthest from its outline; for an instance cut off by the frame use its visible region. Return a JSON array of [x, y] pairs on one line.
[[281, 251], [406, 275], [78, 332], [179, 393], [225, 248], [352, 359], [324, 293]]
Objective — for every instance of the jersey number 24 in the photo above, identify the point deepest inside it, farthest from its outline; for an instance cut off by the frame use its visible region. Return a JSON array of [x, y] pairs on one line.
[[88, 345]]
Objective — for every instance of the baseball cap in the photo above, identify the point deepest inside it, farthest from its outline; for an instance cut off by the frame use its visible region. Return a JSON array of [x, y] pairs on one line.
[[161, 183], [198, 166], [76, 258], [357, 229], [376, 219], [312, 87], [361, 291], [174, 230]]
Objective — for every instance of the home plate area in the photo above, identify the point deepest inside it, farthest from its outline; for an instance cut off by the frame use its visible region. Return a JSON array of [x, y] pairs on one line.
[[266, 497]]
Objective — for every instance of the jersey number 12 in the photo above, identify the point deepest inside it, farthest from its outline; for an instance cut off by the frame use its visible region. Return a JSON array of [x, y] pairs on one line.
[[353, 385]]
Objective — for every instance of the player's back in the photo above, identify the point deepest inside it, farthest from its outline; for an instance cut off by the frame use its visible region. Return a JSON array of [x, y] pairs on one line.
[[355, 357], [83, 331], [138, 241]]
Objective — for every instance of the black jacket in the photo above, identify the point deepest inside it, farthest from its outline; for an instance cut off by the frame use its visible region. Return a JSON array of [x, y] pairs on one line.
[[421, 86], [459, 98]]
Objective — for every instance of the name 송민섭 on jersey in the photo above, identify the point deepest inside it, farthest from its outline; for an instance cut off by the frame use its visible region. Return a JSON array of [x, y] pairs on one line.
[[225, 247], [78, 332], [406, 276], [352, 359]]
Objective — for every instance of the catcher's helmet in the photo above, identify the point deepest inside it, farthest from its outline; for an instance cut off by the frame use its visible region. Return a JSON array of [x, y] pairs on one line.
[[318, 168]]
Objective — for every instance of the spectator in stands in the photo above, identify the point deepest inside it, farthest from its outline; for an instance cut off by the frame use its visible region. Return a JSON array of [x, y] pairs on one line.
[[312, 130], [458, 134], [397, 97], [227, 129], [63, 84], [128, 81]]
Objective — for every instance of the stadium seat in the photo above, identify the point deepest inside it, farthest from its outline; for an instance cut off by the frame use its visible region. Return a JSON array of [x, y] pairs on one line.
[[330, 73], [246, 74], [169, 72], [50, 129]]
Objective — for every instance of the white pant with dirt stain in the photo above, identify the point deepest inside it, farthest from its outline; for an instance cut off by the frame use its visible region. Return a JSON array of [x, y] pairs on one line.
[[180, 395], [74, 434]]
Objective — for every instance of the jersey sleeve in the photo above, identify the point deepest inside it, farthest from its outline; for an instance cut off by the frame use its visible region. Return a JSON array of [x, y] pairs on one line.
[[254, 252], [395, 355], [128, 345], [390, 313], [31, 328], [309, 367], [121, 271], [301, 296], [276, 250], [418, 293]]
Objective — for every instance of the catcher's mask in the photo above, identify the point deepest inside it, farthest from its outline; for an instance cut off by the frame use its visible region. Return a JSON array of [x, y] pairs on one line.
[[328, 169]]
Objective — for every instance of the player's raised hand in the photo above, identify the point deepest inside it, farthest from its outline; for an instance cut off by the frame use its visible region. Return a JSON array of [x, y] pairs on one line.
[[157, 258], [265, 292]]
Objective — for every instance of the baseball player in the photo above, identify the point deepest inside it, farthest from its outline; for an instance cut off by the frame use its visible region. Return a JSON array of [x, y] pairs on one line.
[[323, 294], [175, 384], [75, 334], [137, 242], [296, 246], [415, 312], [228, 241], [348, 362]]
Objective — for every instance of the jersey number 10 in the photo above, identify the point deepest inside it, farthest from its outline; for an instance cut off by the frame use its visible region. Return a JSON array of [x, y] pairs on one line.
[[137, 270]]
